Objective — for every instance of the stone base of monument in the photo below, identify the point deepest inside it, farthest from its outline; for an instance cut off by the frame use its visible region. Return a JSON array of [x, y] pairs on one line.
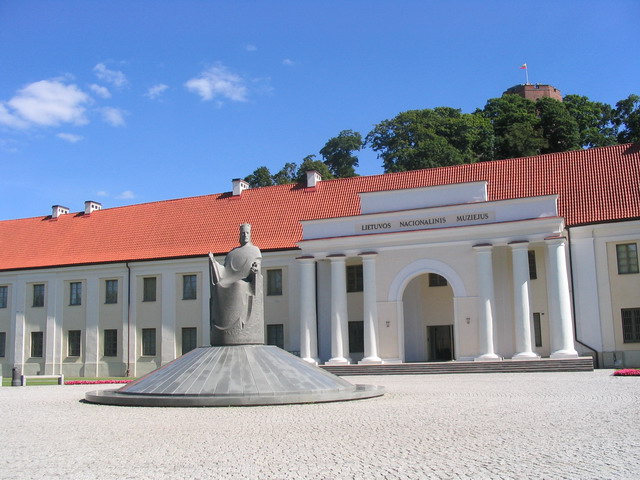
[[241, 375]]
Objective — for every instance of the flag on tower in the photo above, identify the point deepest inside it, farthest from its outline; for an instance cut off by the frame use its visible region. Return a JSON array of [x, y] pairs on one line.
[[523, 67]]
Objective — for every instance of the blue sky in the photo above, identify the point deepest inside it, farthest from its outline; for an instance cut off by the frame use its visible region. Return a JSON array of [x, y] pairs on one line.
[[128, 102]]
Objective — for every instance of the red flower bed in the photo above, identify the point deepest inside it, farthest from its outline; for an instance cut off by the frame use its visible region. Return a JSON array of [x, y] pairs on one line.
[[628, 372], [94, 382]]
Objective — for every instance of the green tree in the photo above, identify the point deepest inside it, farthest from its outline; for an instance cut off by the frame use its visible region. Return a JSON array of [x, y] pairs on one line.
[[310, 163], [338, 153], [261, 177], [627, 119], [286, 175], [516, 126], [431, 138], [559, 129], [594, 119]]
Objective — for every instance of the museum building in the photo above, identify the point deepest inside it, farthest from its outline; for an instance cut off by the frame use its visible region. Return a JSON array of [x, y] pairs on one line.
[[510, 259]]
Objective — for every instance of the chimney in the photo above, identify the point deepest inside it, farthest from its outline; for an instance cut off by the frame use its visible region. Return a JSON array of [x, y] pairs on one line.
[[91, 206], [57, 210], [239, 185], [313, 178]]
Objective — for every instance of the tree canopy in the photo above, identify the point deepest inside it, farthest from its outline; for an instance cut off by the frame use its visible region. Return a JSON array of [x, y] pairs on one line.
[[338, 153]]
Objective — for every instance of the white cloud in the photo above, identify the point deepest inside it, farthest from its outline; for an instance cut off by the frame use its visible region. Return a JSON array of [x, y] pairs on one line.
[[100, 90], [155, 91], [250, 48], [126, 195], [113, 116], [70, 137], [114, 77], [218, 81], [102, 193], [46, 103], [288, 62]]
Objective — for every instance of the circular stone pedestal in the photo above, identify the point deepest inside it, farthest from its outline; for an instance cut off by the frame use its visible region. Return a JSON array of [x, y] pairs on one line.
[[239, 375]]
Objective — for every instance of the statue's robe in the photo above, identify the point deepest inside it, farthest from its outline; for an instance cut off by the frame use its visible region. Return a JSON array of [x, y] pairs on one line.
[[236, 298]]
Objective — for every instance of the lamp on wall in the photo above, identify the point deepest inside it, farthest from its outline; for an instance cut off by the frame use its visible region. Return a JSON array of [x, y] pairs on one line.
[[468, 319]]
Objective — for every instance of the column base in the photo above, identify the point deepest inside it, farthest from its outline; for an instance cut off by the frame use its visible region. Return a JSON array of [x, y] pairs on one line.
[[338, 361], [487, 357], [370, 361], [564, 354], [312, 361], [525, 356]]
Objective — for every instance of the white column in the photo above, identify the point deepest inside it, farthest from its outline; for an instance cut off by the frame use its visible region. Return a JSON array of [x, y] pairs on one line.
[[486, 303], [54, 319], [17, 327], [92, 335], [339, 320], [168, 335], [559, 300], [308, 317], [522, 312], [370, 308]]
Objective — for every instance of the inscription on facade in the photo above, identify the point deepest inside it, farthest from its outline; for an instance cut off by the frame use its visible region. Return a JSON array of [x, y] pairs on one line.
[[421, 223]]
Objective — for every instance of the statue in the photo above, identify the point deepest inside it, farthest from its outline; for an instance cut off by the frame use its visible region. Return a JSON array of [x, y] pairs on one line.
[[236, 305]]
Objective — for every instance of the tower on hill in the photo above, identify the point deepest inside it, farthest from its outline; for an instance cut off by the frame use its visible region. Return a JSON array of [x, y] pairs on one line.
[[534, 92]]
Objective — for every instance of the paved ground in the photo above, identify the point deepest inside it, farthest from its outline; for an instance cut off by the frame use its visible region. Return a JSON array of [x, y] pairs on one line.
[[520, 425]]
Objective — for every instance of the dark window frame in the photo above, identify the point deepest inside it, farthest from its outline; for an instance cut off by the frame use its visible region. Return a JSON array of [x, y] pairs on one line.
[[189, 287], [537, 329], [4, 296], [110, 342], [149, 294], [38, 295], [630, 325], [74, 342], [3, 344], [275, 334], [355, 280], [627, 258], [37, 345], [274, 282], [190, 341], [436, 280], [149, 342], [111, 292], [356, 337], [75, 294], [533, 268]]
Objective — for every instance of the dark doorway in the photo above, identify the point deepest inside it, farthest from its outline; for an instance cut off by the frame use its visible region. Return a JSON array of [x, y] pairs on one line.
[[440, 343]]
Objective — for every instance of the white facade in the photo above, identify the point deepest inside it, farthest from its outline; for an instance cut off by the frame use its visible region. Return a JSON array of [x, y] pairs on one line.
[[489, 308]]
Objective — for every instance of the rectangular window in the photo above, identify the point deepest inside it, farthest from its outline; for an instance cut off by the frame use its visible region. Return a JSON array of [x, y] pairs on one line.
[[189, 287], [38, 295], [436, 280], [4, 292], [627, 258], [111, 291], [537, 329], [533, 271], [111, 342], [74, 343], [149, 342], [75, 293], [275, 335], [189, 339], [631, 325], [149, 290], [3, 343], [356, 337], [354, 278], [37, 344], [274, 282]]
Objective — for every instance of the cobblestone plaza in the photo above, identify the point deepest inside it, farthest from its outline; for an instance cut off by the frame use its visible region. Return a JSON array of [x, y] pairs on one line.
[[522, 425]]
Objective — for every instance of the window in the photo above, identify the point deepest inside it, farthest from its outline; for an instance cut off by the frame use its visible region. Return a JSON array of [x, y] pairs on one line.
[[356, 337], [274, 282], [631, 325], [436, 280], [149, 342], [189, 339], [627, 258], [37, 343], [4, 291], [111, 342], [149, 289], [275, 335], [537, 329], [38, 295], [354, 278], [189, 287], [75, 293], [3, 343], [533, 271], [74, 343], [111, 291]]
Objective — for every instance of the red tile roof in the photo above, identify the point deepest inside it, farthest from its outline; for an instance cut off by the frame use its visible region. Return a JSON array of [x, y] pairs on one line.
[[596, 185]]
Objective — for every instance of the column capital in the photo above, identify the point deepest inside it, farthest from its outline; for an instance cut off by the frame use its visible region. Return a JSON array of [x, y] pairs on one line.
[[369, 254], [483, 247], [337, 257], [306, 259], [555, 240], [519, 244]]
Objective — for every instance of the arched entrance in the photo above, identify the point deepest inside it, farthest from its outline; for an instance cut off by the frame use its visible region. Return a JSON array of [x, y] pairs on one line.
[[427, 315], [428, 319]]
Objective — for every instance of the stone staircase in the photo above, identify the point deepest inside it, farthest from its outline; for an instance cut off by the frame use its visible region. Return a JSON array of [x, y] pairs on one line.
[[581, 364]]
